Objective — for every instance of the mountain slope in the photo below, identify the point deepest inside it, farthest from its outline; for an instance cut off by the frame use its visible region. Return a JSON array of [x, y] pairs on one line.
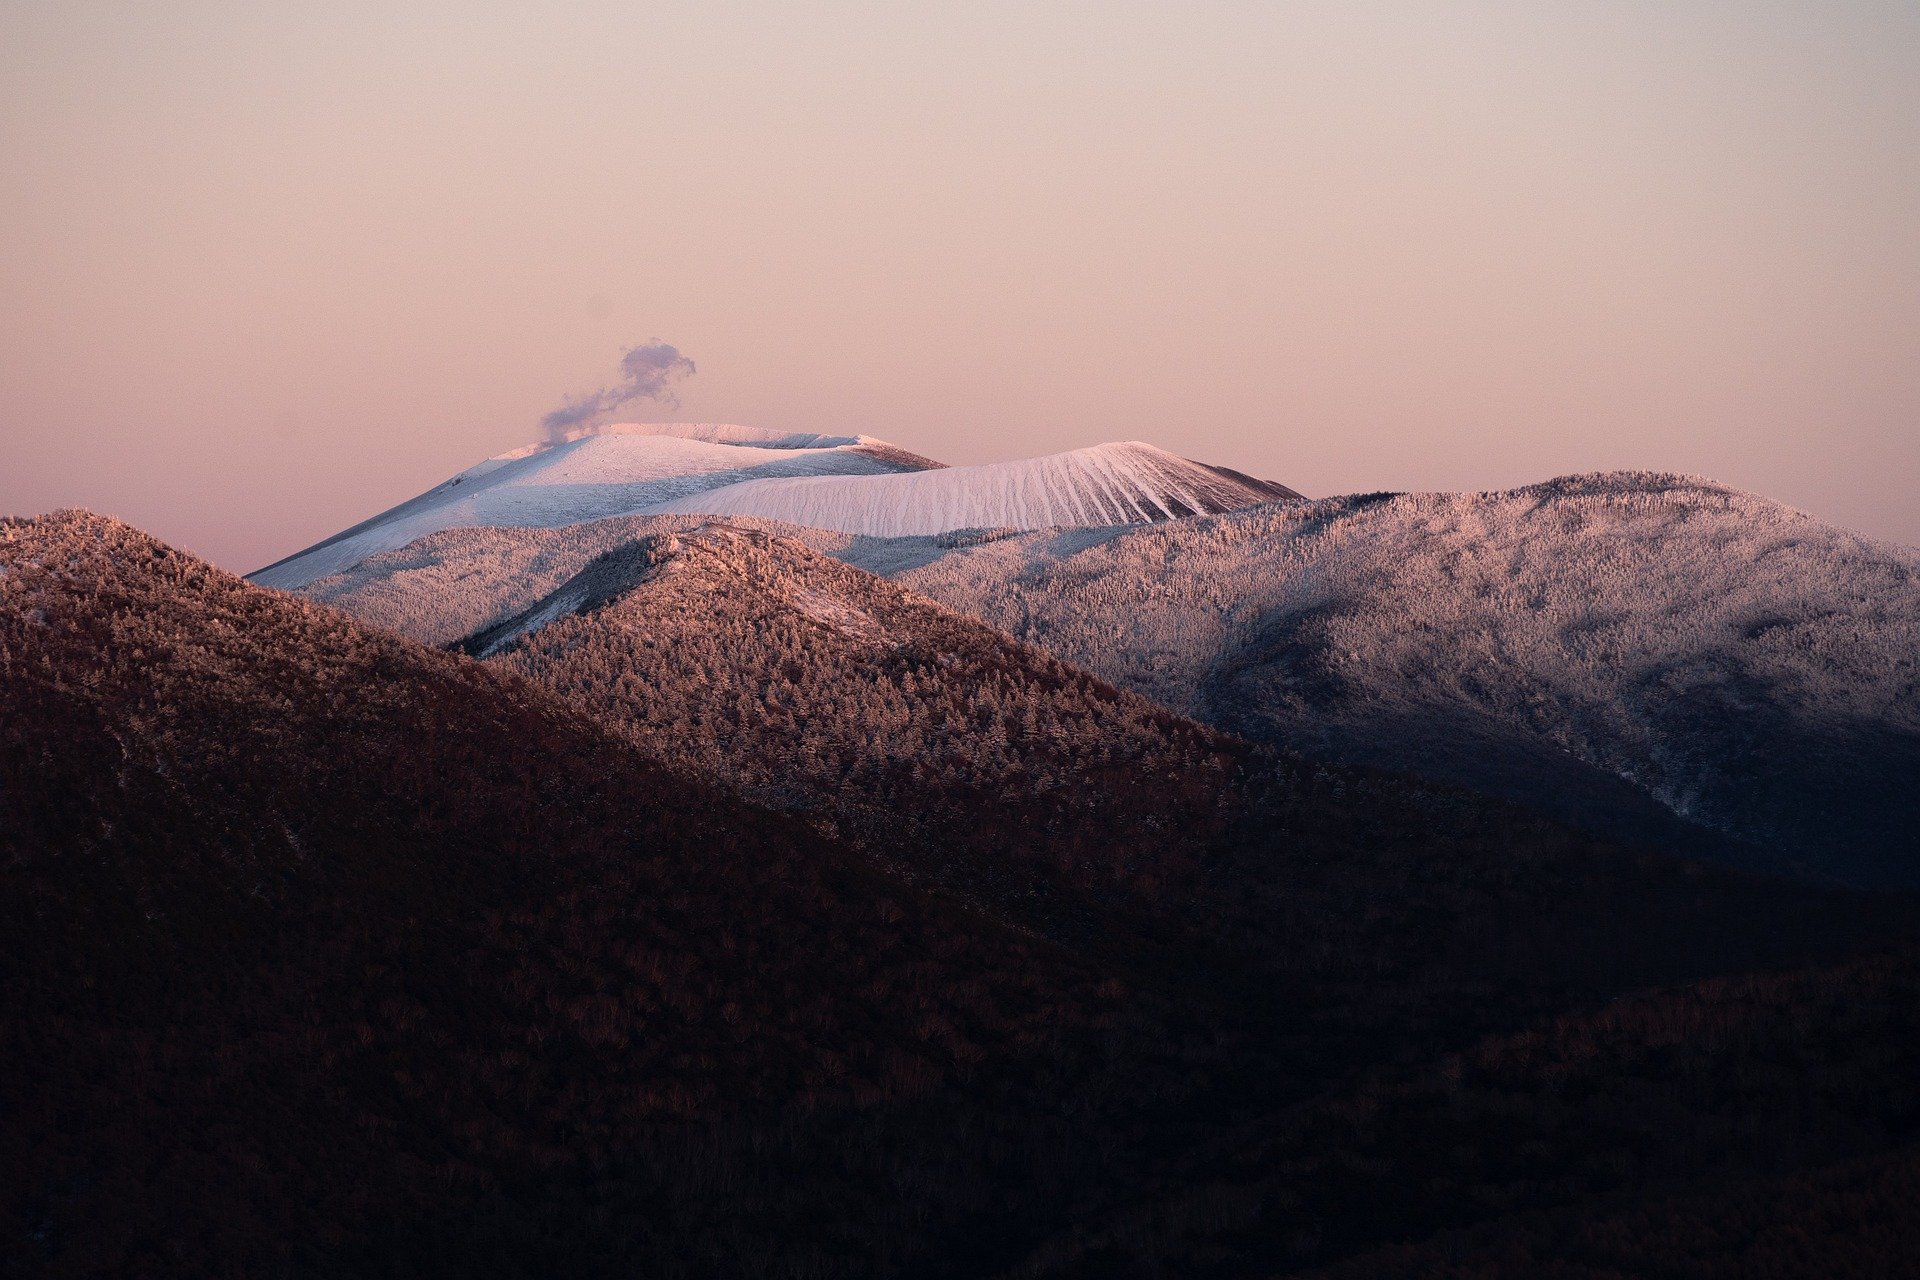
[[936, 742], [1107, 484], [1646, 656], [608, 471], [851, 483], [967, 758], [1612, 1144], [330, 954], [1746, 666]]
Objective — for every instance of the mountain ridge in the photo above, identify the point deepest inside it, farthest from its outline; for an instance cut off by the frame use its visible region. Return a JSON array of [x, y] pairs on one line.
[[1125, 482], [1620, 647], [1750, 667], [706, 468], [588, 474]]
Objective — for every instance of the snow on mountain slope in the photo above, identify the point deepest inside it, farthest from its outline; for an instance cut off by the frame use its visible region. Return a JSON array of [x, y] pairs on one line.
[[1108, 484], [1619, 650], [1751, 668], [450, 584], [591, 475]]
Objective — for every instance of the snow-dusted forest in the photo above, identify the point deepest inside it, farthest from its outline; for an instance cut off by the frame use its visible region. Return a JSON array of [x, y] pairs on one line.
[[1752, 668], [1620, 650]]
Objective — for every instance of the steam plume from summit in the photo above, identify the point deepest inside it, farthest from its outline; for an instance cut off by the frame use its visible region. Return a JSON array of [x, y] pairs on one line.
[[649, 372]]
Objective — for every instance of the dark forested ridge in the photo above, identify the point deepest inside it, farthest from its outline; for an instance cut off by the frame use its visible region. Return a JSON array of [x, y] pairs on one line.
[[325, 949], [1767, 1124], [329, 954]]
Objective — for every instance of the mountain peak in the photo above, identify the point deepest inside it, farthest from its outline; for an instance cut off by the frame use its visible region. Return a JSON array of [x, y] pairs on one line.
[[1121, 482], [591, 475], [846, 483]]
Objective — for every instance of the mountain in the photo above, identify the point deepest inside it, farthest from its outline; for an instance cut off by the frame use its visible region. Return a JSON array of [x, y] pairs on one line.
[[829, 693], [958, 756], [1593, 646], [940, 745], [1654, 657], [444, 587], [329, 953], [1108, 484], [588, 475], [850, 483]]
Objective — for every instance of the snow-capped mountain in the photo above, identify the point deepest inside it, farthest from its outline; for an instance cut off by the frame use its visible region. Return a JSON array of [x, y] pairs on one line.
[[1108, 484], [591, 475], [852, 484]]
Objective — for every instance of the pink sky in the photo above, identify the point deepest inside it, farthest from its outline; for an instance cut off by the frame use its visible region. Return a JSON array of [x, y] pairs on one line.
[[267, 273]]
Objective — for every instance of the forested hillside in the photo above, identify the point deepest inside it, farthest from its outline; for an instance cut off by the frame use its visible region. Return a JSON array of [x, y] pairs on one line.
[[1654, 658], [330, 954], [929, 739], [1592, 647], [952, 753]]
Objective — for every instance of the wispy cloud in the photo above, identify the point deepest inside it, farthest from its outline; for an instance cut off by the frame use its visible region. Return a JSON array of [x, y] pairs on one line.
[[649, 372]]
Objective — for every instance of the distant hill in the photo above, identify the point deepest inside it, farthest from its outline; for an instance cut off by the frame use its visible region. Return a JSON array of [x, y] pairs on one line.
[[1651, 657], [331, 954], [1592, 646]]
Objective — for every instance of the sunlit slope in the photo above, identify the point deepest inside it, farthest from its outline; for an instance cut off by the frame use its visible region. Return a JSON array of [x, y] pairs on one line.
[[1752, 668], [1108, 484], [607, 472], [317, 938]]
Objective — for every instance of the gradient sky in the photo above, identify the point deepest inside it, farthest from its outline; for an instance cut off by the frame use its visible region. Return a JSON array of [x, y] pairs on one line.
[[268, 268]]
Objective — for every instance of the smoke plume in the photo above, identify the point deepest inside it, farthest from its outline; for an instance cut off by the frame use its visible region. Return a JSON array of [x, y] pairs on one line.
[[648, 373]]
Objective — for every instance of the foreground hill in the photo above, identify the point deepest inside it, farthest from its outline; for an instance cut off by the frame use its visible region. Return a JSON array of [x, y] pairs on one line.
[[1767, 1125], [1585, 646], [327, 953]]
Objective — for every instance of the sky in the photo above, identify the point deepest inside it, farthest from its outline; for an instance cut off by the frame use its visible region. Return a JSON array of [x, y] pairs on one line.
[[270, 268]]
